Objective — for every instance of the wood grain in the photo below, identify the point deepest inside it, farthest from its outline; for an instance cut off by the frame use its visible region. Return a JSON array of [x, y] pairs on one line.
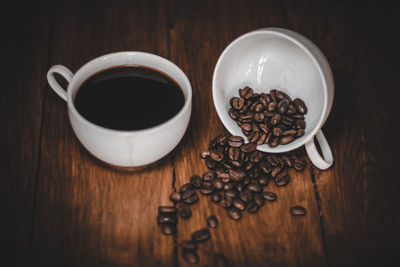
[[272, 236], [89, 214], [24, 49], [361, 221]]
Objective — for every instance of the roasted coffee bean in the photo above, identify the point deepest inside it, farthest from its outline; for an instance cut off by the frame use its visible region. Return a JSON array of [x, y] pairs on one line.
[[253, 137], [275, 171], [246, 127], [207, 189], [204, 154], [235, 163], [196, 181], [273, 94], [269, 196], [246, 195], [212, 221], [167, 218], [259, 199], [239, 204], [291, 110], [175, 197], [259, 117], [237, 103], [218, 183], [269, 138], [297, 211], [234, 213], [201, 235], [254, 173], [276, 119], [235, 141], [224, 176], [190, 256], [191, 199], [300, 105], [216, 155], [283, 106], [263, 180], [300, 124], [215, 197], [286, 140], [233, 114], [168, 229], [228, 186], [272, 106], [208, 176], [248, 166], [290, 132], [210, 163], [252, 207], [227, 202], [287, 160], [282, 96], [287, 121], [166, 209], [222, 140], [273, 160], [300, 132], [282, 181], [258, 107], [264, 166], [189, 245], [220, 260], [274, 142], [246, 92], [299, 164], [188, 193], [298, 116], [184, 210], [256, 156], [249, 147], [254, 187], [264, 128], [230, 193], [262, 138], [268, 113], [277, 131]]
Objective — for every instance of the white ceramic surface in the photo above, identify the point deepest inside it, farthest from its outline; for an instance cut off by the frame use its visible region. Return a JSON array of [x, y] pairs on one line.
[[125, 148], [276, 58]]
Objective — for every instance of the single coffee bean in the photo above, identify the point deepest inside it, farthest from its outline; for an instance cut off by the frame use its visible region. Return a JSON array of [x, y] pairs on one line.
[[234, 213], [287, 160], [191, 200], [297, 211], [276, 119], [230, 193], [190, 256], [184, 211], [237, 103], [277, 131], [168, 229], [300, 124], [299, 164], [287, 121], [268, 113], [201, 235], [224, 176], [274, 142], [215, 197], [282, 181], [204, 154], [196, 181], [269, 138], [239, 204], [252, 207], [220, 260], [300, 105], [263, 180], [249, 147], [264, 166], [286, 140], [167, 218], [254, 187], [298, 116], [262, 138], [222, 140], [282, 96], [188, 193], [228, 186], [254, 136], [264, 128], [208, 176], [269, 196], [246, 195], [291, 110], [259, 117], [246, 93], [216, 155], [275, 171], [273, 160], [283, 106], [272, 106], [189, 245], [235, 163], [227, 202], [212, 221], [300, 132], [210, 163], [246, 127], [235, 141], [207, 189], [259, 199], [247, 117], [218, 183], [167, 209], [233, 114], [175, 197], [236, 175], [258, 107]]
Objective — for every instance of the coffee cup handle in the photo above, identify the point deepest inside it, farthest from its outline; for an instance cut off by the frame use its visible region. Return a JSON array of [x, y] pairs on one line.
[[64, 72], [324, 162]]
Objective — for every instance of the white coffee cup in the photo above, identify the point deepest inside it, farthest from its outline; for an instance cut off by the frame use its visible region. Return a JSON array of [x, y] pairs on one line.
[[276, 58], [119, 147]]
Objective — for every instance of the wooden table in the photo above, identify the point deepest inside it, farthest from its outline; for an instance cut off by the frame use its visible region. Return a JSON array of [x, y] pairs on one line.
[[62, 207]]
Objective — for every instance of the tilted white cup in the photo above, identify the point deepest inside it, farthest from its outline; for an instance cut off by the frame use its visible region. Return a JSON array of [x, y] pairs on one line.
[[276, 58], [118, 147]]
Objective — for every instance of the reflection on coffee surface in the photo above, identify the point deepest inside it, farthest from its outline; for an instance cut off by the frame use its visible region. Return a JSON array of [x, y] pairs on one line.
[[129, 98]]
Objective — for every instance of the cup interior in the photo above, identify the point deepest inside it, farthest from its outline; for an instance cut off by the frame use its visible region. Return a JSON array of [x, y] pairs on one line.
[[265, 60], [129, 59]]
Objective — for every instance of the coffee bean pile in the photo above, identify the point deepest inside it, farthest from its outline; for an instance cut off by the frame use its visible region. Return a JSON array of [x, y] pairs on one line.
[[271, 118], [238, 174], [236, 179]]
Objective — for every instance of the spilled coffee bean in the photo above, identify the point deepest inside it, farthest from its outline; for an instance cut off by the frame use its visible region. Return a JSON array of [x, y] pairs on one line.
[[212, 221], [201, 235], [297, 211]]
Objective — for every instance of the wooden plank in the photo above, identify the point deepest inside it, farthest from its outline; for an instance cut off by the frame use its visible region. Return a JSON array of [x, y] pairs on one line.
[[359, 195], [24, 59], [272, 237], [89, 214]]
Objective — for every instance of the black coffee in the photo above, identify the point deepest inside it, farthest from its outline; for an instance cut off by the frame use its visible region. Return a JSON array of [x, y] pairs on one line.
[[129, 98]]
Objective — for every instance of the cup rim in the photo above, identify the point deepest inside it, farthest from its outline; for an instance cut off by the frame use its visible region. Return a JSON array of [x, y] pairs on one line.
[[284, 33], [187, 93]]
